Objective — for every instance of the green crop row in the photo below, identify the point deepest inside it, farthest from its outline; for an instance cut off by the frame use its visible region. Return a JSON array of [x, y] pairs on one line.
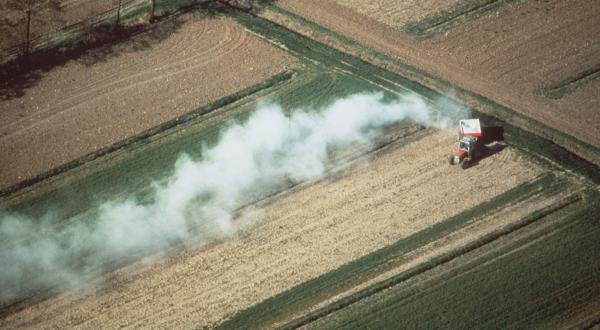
[[547, 142], [460, 13], [98, 182], [310, 293], [537, 278], [568, 86]]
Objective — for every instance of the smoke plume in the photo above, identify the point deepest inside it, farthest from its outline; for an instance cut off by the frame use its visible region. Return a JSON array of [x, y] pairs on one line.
[[198, 202]]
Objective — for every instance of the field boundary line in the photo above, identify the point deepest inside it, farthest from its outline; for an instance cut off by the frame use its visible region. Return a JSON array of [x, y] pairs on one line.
[[431, 264], [384, 259], [568, 86], [460, 13], [581, 153], [553, 225]]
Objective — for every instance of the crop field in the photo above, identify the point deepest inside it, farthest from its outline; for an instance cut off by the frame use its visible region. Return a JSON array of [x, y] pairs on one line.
[[505, 56], [134, 88], [271, 170]]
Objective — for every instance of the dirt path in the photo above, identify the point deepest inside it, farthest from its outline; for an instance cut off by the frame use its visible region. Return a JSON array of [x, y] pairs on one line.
[[299, 235], [508, 56], [119, 91]]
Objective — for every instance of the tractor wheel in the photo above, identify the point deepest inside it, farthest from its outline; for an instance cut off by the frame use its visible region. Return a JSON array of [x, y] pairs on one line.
[[453, 160]]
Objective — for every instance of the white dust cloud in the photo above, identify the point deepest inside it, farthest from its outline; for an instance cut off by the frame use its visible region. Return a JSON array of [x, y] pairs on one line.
[[198, 202]]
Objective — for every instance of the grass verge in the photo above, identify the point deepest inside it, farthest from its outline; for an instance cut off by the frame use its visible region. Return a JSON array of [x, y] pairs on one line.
[[568, 86], [147, 135], [297, 299], [501, 286], [580, 157], [460, 13]]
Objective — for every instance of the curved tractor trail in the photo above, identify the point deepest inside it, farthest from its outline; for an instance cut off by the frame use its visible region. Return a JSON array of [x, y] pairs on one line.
[[296, 236], [78, 108]]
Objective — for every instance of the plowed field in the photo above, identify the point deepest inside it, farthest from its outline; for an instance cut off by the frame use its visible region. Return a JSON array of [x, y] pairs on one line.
[[508, 55], [110, 94], [388, 235], [306, 232]]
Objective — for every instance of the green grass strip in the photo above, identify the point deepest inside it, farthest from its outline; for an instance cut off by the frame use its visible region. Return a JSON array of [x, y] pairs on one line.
[[426, 266], [301, 297], [460, 13], [508, 287], [568, 86]]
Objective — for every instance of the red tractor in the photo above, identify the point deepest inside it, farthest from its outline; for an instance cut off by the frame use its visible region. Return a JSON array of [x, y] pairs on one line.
[[469, 145]]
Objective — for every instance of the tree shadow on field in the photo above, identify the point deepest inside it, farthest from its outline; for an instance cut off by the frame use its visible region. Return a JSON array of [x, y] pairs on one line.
[[98, 45]]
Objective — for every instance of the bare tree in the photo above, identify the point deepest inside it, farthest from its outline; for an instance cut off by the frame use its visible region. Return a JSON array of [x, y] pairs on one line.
[[118, 12], [48, 12], [28, 11], [152, 9]]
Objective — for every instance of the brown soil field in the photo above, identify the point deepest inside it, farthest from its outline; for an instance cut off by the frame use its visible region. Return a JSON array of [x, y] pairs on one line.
[[295, 236], [483, 225], [394, 14], [112, 93], [507, 56], [479, 227], [108, 95]]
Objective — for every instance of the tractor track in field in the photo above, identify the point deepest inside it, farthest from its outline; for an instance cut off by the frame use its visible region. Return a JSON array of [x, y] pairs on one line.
[[286, 237], [394, 138], [114, 82], [543, 51], [456, 15], [397, 16], [570, 85], [474, 230], [371, 200], [436, 264], [136, 85]]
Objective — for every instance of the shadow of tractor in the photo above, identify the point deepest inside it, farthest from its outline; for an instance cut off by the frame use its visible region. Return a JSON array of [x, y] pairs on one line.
[[490, 143]]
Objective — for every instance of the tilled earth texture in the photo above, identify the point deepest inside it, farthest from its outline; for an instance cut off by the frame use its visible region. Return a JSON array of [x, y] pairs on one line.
[[538, 58], [389, 235], [115, 92]]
